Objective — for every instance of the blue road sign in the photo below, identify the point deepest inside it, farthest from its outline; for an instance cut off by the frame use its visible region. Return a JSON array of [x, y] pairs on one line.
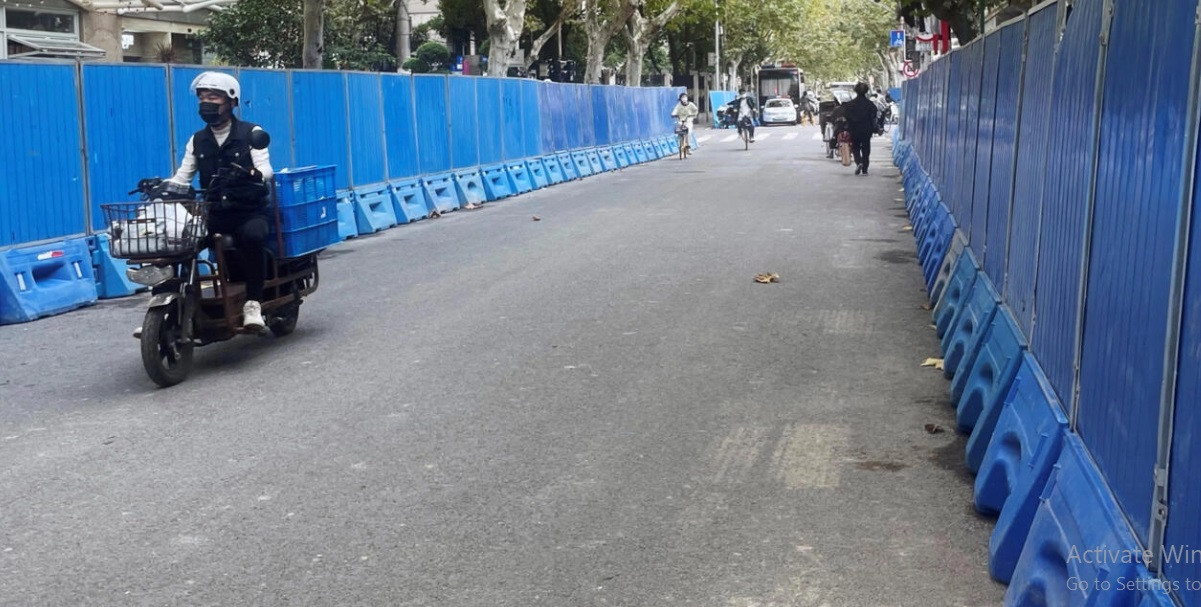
[[896, 38]]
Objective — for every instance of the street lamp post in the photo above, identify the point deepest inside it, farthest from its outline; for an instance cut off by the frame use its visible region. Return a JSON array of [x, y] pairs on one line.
[[717, 46]]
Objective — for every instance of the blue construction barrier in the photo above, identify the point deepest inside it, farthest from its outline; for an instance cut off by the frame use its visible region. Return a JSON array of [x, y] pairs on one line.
[[46, 279], [968, 326], [111, 279], [373, 210], [979, 390], [568, 166], [519, 177], [554, 170], [673, 146], [348, 225], [583, 168], [497, 184], [594, 162], [935, 243], [408, 200], [943, 276], [963, 276], [621, 155], [1024, 447], [1077, 513], [440, 193], [537, 173], [636, 153], [469, 186], [608, 160]]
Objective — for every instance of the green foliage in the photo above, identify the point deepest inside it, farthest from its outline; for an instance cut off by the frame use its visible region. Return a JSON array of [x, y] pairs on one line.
[[434, 54], [416, 65], [257, 33]]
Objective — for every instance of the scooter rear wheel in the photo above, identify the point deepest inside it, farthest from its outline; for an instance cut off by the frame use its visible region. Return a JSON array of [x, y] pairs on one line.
[[165, 355]]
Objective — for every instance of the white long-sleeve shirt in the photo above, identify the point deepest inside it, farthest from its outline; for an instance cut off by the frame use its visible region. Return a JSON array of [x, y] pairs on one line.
[[187, 166]]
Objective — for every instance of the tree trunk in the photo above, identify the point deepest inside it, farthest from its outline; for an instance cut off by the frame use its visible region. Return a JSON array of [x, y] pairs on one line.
[[555, 29], [601, 29], [638, 33], [314, 28], [504, 33], [404, 32]]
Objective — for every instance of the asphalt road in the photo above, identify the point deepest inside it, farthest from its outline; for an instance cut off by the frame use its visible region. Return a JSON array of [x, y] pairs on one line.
[[598, 408]]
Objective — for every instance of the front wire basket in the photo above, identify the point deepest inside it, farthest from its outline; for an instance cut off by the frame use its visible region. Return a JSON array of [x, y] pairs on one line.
[[155, 229]]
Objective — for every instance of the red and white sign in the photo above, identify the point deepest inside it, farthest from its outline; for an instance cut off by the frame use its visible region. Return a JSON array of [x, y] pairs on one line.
[[909, 70]]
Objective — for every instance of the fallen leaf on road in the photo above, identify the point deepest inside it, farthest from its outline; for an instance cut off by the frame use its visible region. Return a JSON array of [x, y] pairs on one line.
[[537, 218], [933, 428], [434, 214], [471, 206], [933, 326], [933, 362], [766, 278], [907, 229], [925, 306]]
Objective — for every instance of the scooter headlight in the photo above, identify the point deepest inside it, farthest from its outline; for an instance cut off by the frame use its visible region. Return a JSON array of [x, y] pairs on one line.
[[150, 275]]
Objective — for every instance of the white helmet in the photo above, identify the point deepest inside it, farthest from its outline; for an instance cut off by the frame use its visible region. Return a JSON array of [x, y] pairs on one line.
[[220, 82]]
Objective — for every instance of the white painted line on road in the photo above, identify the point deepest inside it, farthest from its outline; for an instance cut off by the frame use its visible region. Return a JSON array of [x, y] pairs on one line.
[[763, 136], [729, 138], [704, 139], [805, 456], [843, 322], [790, 136]]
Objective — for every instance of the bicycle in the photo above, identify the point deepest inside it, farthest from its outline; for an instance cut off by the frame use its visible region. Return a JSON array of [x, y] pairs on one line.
[[744, 131], [682, 139]]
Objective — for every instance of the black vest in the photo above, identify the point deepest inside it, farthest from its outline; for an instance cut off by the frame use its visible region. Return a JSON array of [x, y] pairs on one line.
[[210, 157]]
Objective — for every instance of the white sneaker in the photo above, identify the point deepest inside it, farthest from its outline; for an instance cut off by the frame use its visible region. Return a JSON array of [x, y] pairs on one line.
[[252, 316]]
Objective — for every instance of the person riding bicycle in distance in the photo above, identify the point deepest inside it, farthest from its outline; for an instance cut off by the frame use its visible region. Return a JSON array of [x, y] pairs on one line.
[[686, 112], [745, 106], [235, 177]]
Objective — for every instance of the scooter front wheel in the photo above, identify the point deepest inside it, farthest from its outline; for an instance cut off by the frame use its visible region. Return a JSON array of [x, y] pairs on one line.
[[166, 355]]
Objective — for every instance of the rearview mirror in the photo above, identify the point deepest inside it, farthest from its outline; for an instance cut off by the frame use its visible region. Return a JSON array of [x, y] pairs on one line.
[[260, 139]]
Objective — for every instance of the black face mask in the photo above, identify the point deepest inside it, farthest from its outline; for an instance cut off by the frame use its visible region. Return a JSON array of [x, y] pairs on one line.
[[211, 112]]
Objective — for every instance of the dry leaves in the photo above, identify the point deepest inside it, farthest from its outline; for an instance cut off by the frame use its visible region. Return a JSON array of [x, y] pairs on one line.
[[926, 306], [933, 362], [434, 214], [767, 278], [933, 428], [537, 218], [471, 206], [907, 229]]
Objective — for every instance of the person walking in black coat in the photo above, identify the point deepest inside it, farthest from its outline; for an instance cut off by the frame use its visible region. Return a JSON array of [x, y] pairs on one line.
[[861, 115]]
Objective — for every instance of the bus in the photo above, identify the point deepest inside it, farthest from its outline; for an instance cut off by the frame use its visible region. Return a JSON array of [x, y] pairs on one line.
[[783, 81]]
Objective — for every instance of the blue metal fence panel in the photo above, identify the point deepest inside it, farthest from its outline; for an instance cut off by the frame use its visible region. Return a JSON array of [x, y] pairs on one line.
[[1033, 126], [367, 155], [126, 141], [266, 102], [977, 227], [399, 126], [510, 115], [600, 115], [618, 130], [464, 122], [319, 119], [952, 121], [531, 111], [966, 179], [184, 106], [433, 130], [1070, 154], [1138, 185], [1003, 151], [42, 192], [582, 100], [938, 124], [491, 126]]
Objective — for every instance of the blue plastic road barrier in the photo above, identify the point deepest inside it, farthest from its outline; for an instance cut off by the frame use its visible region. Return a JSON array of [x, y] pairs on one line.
[[46, 279], [554, 170], [567, 163], [348, 227], [594, 162], [537, 172], [111, 280], [970, 321], [408, 200], [660, 148], [621, 156], [519, 177], [373, 208], [582, 167], [673, 146], [982, 387], [1077, 514], [440, 193], [469, 187], [608, 160], [1023, 449], [958, 244], [963, 276], [938, 241], [652, 152], [640, 152], [497, 184]]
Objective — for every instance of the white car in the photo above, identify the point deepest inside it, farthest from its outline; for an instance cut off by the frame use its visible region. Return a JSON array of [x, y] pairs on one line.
[[779, 110]]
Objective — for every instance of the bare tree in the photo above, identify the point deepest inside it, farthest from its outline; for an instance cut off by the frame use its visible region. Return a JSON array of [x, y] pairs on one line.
[[602, 20], [314, 28], [638, 32], [504, 33]]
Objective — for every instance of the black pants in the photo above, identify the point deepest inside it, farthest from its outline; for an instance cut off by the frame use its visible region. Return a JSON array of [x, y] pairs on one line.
[[861, 148], [749, 125], [249, 230]]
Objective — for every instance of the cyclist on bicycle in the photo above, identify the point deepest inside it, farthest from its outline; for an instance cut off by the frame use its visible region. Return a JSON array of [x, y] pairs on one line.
[[685, 113], [745, 109]]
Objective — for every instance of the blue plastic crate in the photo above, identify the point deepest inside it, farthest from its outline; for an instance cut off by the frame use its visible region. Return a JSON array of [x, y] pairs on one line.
[[308, 214], [298, 243], [305, 184]]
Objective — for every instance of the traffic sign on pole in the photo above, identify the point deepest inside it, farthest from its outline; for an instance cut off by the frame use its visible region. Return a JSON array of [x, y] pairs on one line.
[[896, 38]]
